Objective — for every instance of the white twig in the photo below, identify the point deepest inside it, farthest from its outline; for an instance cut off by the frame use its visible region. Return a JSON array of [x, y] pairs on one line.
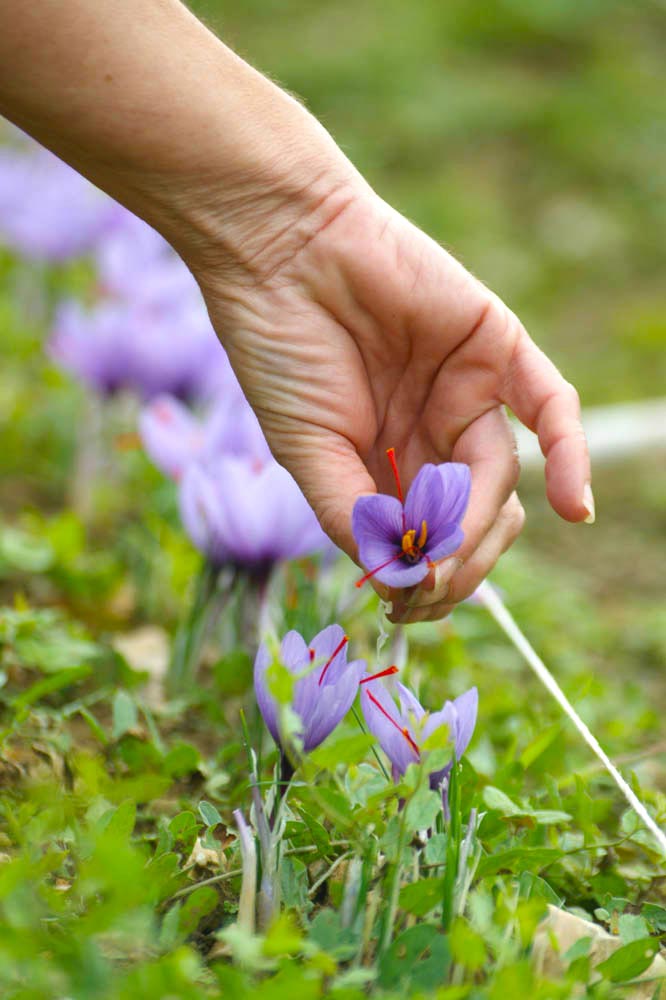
[[494, 604], [248, 895]]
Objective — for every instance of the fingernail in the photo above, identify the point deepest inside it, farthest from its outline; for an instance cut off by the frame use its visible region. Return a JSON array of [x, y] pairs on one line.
[[445, 570], [588, 503]]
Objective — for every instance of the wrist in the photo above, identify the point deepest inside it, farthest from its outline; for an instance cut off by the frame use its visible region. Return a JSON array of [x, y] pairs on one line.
[[251, 202]]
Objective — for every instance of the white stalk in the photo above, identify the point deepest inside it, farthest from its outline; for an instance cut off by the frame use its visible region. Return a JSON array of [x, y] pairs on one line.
[[494, 604]]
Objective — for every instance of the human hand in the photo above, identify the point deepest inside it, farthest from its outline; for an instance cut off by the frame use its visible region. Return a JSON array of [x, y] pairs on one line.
[[353, 332], [350, 330]]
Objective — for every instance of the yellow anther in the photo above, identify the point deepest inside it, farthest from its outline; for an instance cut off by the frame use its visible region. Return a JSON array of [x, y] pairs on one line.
[[424, 534], [408, 541]]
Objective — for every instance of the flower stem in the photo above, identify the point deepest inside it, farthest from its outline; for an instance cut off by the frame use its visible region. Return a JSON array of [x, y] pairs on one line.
[[192, 632]]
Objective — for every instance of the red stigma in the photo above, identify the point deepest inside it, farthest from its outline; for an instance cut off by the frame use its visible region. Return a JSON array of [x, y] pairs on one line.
[[382, 673], [404, 732], [368, 576], [343, 642], [312, 655], [390, 453]]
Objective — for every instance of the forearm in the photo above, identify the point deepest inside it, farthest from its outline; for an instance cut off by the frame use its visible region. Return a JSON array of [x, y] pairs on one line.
[[152, 107]]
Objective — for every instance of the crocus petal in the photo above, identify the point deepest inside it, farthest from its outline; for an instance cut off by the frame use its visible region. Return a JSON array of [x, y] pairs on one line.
[[294, 652], [457, 483], [403, 574], [466, 708], [171, 435], [392, 741], [447, 543], [409, 703], [444, 532], [332, 703], [265, 700], [203, 515], [425, 499], [324, 645], [377, 528]]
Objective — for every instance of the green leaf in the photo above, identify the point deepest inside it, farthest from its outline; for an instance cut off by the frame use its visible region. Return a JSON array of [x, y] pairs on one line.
[[518, 859], [283, 937], [209, 813], [348, 750], [467, 947], [579, 949], [422, 808], [125, 717], [198, 905], [532, 885], [418, 958], [184, 828], [119, 822], [496, 799], [326, 931], [629, 961], [632, 928], [655, 915], [181, 760], [423, 896], [56, 682]]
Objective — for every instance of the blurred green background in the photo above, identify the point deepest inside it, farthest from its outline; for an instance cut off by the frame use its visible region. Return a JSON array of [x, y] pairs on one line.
[[530, 139]]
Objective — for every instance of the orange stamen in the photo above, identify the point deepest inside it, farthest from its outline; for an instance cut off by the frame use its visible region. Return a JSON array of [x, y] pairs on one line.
[[343, 642], [405, 732], [381, 673], [408, 541]]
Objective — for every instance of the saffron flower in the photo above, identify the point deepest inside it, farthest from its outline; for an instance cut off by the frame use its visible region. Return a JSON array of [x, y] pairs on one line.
[[146, 348], [174, 436], [398, 539], [242, 511], [402, 731], [48, 211], [325, 688]]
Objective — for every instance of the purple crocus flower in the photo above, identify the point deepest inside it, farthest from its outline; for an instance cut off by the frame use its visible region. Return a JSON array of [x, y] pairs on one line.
[[403, 731], [47, 210], [174, 437], [247, 512], [324, 691], [399, 540], [148, 349], [136, 264]]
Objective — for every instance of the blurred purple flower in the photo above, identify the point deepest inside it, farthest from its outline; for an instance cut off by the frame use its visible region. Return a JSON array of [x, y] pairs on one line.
[[174, 437], [147, 349], [324, 691], [47, 210], [247, 512], [401, 732], [398, 541], [135, 263]]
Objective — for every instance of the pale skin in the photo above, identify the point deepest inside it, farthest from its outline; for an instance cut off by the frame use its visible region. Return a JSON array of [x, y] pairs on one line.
[[350, 330]]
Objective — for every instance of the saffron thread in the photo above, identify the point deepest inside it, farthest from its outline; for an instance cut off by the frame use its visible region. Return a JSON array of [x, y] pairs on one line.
[[382, 673], [405, 731], [343, 642]]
